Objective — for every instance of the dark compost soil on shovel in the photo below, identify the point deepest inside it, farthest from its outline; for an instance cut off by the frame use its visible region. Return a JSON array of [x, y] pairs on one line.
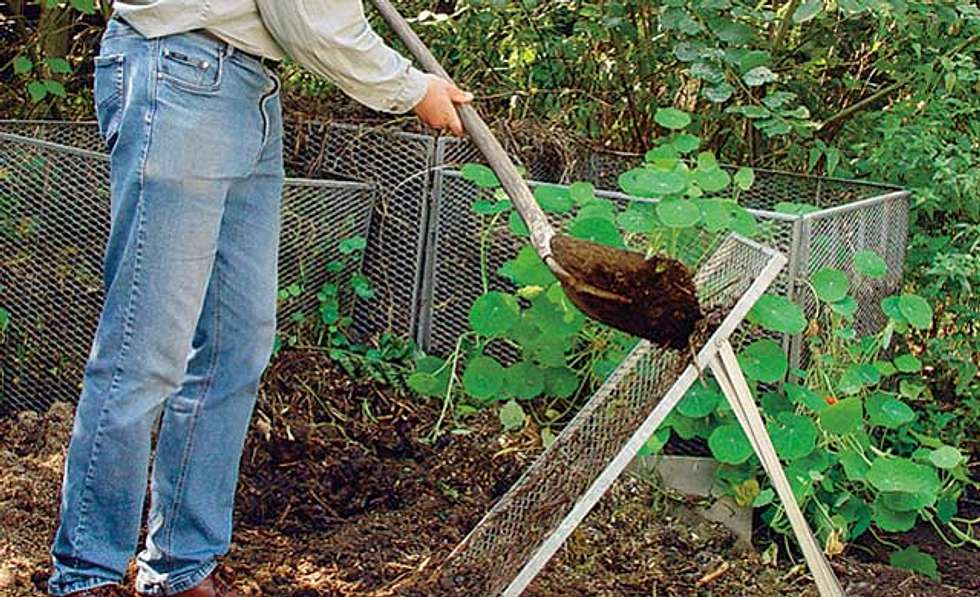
[[339, 496]]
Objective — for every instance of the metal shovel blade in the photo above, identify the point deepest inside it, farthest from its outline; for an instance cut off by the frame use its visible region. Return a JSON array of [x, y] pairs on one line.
[[652, 298]]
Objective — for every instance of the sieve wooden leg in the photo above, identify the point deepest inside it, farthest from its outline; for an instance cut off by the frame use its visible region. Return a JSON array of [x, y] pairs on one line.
[[729, 376]]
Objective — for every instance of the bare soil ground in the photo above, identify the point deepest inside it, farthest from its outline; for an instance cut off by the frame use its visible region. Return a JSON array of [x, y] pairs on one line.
[[340, 495]]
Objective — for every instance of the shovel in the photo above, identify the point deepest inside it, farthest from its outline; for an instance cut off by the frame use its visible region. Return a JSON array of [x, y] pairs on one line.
[[652, 298]]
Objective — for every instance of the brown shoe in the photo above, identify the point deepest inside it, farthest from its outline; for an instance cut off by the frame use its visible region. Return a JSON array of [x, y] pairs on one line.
[[218, 584], [103, 591]]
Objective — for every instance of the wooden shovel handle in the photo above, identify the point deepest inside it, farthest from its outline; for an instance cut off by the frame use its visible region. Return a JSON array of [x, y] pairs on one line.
[[517, 189]]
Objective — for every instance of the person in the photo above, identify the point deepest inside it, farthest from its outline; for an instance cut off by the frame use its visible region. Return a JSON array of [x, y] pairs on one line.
[[191, 116]]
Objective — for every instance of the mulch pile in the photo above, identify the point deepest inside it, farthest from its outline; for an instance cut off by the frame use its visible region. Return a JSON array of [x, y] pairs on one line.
[[341, 494]]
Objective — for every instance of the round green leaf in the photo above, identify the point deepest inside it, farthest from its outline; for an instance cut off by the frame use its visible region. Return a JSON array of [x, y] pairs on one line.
[[946, 457], [729, 445], [907, 363], [653, 182], [494, 313], [778, 314], [480, 175], [743, 222], [424, 384], [699, 401], [902, 474], [891, 520], [885, 410], [527, 269], [830, 284], [685, 143], [868, 263], [916, 310], [890, 307], [793, 436], [597, 230], [844, 417], [846, 307], [582, 192], [911, 558], [712, 180], [672, 118], [512, 416], [678, 213], [524, 380], [553, 199], [805, 396], [561, 382], [745, 178], [764, 361], [483, 378], [516, 224]]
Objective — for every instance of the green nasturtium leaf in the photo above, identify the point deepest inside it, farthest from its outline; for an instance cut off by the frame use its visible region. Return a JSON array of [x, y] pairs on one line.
[[793, 436], [685, 143], [678, 213], [672, 118], [483, 378], [911, 558], [524, 380], [527, 269], [891, 520], [946, 457], [638, 217], [916, 310], [653, 182], [907, 363], [744, 178], [512, 416], [582, 192], [517, 225], [885, 410], [743, 222], [830, 284], [597, 230], [903, 475], [777, 313], [553, 198], [480, 175], [870, 264], [855, 467], [729, 445], [844, 417], [764, 361], [494, 313], [699, 401], [712, 180], [805, 396], [561, 382]]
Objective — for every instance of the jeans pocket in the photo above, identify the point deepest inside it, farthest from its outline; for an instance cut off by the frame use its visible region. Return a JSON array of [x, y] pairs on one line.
[[192, 67], [110, 91]]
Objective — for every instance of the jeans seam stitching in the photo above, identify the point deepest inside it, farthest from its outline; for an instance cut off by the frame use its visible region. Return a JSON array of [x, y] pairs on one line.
[[189, 447], [95, 450]]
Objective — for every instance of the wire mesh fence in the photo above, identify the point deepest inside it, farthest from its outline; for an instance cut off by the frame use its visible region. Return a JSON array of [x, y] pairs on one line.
[[54, 219], [849, 217], [517, 529]]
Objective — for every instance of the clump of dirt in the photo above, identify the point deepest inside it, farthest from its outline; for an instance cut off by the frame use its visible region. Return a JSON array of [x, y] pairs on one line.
[[653, 298]]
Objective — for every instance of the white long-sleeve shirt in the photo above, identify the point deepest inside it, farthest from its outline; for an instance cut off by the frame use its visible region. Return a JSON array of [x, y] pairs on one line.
[[331, 38]]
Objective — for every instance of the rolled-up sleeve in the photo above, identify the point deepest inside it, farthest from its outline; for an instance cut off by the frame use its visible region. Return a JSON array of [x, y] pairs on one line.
[[333, 38]]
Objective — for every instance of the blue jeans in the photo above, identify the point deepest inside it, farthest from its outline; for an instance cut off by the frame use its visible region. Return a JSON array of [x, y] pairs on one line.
[[195, 134]]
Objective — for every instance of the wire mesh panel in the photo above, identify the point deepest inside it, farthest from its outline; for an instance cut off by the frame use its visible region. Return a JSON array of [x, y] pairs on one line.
[[398, 164], [520, 523], [80, 135], [54, 219], [856, 216]]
